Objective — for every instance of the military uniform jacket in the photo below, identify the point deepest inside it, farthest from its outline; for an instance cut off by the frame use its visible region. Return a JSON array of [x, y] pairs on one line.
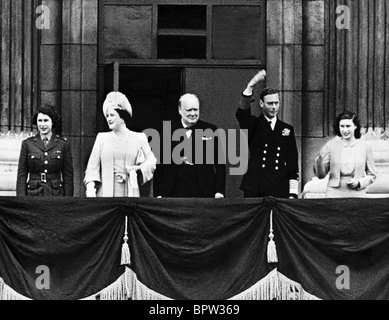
[[273, 158], [45, 171], [210, 175]]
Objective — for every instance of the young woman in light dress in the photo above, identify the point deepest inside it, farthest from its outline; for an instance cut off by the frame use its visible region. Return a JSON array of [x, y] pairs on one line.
[[348, 159]]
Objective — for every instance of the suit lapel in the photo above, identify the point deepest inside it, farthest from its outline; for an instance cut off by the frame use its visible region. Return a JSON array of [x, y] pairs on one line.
[[278, 127], [177, 126], [193, 135], [278, 130], [263, 123], [52, 143], [39, 143]]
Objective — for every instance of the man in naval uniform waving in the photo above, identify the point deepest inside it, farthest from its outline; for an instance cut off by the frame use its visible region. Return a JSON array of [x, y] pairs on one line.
[[273, 160]]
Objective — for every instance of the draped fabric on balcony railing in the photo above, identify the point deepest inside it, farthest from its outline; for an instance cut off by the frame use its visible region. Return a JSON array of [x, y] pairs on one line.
[[193, 248]]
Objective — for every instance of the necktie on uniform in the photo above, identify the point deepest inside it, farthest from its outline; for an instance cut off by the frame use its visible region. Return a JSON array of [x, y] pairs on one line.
[[46, 141]]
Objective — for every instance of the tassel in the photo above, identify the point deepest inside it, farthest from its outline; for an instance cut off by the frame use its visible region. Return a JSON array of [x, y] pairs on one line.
[[126, 256], [271, 246]]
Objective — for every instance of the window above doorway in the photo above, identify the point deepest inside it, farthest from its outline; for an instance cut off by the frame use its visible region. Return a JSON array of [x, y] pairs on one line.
[[228, 32]]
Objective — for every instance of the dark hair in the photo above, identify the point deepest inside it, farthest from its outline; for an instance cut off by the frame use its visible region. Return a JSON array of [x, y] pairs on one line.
[[50, 111], [267, 91], [124, 115], [348, 115]]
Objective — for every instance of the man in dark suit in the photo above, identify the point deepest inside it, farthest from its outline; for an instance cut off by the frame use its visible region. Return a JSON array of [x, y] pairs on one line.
[[197, 168], [273, 163]]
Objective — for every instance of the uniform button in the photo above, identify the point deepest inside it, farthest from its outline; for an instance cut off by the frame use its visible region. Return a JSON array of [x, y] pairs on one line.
[[277, 161], [59, 157], [276, 168], [46, 154], [278, 154], [263, 166], [32, 157], [46, 171], [265, 152], [278, 148], [264, 159], [265, 145], [46, 162]]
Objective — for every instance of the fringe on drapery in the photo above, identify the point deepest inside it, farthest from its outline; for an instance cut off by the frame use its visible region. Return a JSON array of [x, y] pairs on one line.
[[127, 287], [291, 290], [275, 286], [7, 293]]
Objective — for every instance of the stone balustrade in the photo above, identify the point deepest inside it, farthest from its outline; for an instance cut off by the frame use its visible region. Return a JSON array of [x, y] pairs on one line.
[[10, 144]]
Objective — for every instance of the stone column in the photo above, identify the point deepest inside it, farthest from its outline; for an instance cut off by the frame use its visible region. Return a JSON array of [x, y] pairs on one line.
[[313, 84], [284, 59], [51, 57], [79, 80]]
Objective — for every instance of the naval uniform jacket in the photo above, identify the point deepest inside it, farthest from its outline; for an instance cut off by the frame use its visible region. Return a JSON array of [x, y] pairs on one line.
[[273, 155], [45, 171], [209, 177]]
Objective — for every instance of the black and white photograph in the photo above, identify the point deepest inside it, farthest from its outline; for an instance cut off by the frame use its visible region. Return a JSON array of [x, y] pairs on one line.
[[194, 154]]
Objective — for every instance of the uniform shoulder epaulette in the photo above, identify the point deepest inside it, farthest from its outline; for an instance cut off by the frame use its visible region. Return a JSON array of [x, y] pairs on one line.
[[62, 138], [31, 138]]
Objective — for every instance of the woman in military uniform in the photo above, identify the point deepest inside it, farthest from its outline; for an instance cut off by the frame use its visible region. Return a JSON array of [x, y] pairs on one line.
[[45, 162]]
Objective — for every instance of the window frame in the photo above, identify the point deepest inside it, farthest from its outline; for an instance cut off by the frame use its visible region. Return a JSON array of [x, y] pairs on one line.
[[208, 61]]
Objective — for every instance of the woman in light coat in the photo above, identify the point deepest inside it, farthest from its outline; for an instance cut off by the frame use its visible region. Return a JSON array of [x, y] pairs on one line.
[[348, 159], [118, 156]]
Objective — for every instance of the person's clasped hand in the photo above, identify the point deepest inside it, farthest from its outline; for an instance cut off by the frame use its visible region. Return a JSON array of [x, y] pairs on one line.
[[353, 183], [130, 168]]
